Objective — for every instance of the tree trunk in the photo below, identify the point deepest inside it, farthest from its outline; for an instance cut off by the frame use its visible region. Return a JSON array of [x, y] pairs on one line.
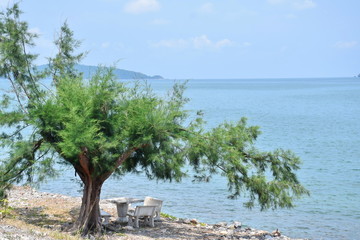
[[89, 217]]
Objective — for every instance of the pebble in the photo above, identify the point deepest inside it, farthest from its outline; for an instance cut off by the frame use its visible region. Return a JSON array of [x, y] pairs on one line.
[[186, 221], [221, 224], [194, 221], [237, 224], [129, 228]]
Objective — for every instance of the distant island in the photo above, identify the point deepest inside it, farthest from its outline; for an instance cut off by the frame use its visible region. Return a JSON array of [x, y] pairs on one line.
[[119, 73]]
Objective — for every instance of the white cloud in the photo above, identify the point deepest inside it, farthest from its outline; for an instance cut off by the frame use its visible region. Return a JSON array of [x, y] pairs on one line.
[[207, 8], [246, 44], [304, 4], [177, 43], [44, 46], [35, 31], [199, 42], [105, 45], [44, 43], [41, 41], [142, 6], [159, 22], [204, 42], [348, 44], [109, 45], [223, 43]]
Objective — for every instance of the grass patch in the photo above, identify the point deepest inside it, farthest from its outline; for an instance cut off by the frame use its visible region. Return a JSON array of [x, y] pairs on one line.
[[5, 209], [168, 216]]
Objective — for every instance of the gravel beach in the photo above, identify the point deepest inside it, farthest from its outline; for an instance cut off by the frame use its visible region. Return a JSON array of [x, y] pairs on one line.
[[39, 215]]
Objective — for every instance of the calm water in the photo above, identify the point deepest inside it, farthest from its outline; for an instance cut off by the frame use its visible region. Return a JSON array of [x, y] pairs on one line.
[[319, 119]]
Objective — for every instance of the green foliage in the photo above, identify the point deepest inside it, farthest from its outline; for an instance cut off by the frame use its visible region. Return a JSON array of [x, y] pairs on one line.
[[63, 64], [165, 215], [101, 126], [5, 209]]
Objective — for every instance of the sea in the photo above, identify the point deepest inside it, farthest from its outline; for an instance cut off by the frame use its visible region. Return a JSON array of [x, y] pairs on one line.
[[317, 118]]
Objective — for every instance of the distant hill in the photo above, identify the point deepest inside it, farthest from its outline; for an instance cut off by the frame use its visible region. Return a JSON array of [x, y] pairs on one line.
[[119, 73]]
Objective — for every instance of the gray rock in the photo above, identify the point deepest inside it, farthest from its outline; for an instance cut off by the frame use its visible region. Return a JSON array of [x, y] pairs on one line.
[[222, 230], [237, 224], [194, 221], [128, 228], [230, 232], [221, 224], [209, 226], [187, 221]]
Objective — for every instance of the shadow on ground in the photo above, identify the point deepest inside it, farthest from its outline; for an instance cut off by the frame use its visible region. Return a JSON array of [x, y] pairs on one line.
[[39, 217]]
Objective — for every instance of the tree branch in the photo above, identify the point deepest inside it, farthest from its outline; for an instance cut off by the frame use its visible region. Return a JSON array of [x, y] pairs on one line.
[[16, 92], [84, 161], [16, 132], [122, 159], [29, 164]]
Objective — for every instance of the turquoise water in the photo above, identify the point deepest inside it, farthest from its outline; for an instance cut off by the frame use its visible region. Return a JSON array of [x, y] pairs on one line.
[[319, 119]]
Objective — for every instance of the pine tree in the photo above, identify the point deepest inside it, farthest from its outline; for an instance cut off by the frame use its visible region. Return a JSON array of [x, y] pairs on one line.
[[102, 127]]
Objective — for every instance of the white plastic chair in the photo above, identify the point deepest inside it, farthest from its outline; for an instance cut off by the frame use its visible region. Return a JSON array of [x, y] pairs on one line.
[[105, 217], [149, 201], [146, 212]]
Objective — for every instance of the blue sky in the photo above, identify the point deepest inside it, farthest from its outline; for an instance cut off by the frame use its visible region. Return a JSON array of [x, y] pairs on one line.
[[191, 39]]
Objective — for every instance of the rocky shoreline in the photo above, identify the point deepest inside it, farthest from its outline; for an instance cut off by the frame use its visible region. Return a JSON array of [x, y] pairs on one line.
[[53, 213]]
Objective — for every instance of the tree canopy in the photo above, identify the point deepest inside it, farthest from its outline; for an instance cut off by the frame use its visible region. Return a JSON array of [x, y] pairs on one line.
[[102, 126]]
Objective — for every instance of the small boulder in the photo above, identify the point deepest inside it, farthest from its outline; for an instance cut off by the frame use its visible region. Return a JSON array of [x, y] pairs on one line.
[[187, 221], [230, 232], [276, 233], [128, 228], [194, 221], [237, 225], [91, 237], [221, 224]]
